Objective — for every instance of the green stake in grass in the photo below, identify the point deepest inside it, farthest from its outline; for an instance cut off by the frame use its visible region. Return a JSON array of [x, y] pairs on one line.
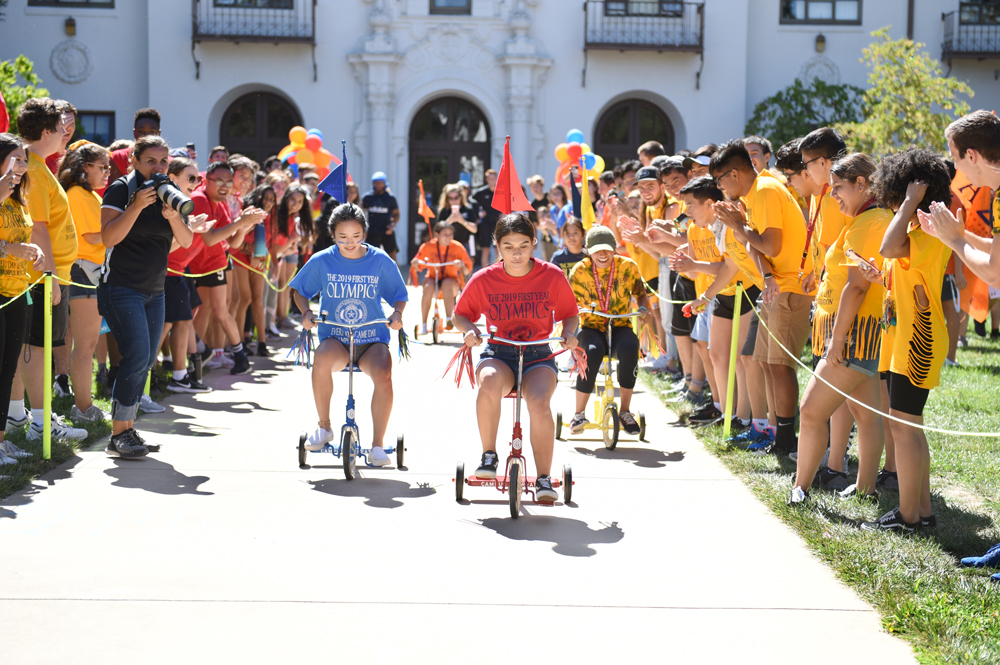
[[47, 372], [733, 358]]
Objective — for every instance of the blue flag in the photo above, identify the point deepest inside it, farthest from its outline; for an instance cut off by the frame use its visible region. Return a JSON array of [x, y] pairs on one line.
[[575, 196], [335, 184]]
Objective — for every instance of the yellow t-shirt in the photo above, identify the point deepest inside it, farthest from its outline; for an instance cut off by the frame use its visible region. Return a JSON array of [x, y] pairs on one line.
[[737, 251], [996, 213], [703, 248], [649, 266], [864, 235], [830, 221], [15, 226], [625, 285], [47, 203], [86, 209], [770, 206], [915, 342]]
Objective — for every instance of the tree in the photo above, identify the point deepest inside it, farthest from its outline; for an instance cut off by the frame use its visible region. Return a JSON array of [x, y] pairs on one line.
[[908, 101], [15, 94], [798, 109]]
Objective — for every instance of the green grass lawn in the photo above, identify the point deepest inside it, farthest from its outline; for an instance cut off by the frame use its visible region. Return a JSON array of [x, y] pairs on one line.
[[29, 468], [951, 615]]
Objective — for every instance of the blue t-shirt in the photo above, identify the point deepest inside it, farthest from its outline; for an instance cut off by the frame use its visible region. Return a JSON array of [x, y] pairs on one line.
[[352, 291], [566, 259], [380, 208]]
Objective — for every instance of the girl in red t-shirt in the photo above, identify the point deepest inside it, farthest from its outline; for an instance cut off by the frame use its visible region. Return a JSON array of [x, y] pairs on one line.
[[450, 279], [523, 298]]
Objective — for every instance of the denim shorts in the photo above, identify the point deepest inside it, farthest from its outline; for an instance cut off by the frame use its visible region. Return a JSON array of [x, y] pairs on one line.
[[534, 357], [81, 272], [868, 367]]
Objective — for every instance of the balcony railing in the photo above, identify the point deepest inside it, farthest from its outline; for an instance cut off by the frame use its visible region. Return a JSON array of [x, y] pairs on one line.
[[254, 20], [971, 32], [645, 25]]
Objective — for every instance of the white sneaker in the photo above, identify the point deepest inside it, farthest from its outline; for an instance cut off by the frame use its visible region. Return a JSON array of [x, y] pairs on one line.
[[273, 330], [661, 362], [226, 362], [92, 415], [378, 457], [423, 328], [10, 450], [146, 405], [60, 431], [318, 439], [648, 363], [18, 424], [212, 363], [4, 460]]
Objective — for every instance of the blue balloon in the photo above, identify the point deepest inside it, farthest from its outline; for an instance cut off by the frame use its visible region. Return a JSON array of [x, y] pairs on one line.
[[590, 160], [574, 135], [315, 132]]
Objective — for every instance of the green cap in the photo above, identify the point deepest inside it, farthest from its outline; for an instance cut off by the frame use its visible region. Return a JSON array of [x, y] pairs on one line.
[[599, 238]]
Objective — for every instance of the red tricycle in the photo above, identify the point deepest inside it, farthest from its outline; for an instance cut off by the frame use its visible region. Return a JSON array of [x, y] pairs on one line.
[[515, 475]]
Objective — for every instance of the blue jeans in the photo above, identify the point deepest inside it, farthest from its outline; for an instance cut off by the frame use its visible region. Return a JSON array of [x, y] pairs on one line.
[[136, 321]]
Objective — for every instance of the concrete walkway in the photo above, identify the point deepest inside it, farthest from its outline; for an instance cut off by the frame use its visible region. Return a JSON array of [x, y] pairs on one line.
[[219, 549]]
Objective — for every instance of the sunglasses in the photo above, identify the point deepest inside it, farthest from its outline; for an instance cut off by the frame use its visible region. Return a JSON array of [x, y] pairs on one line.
[[222, 183], [194, 179], [104, 167]]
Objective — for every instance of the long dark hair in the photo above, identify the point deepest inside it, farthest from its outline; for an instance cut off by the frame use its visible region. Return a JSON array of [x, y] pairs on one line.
[[73, 167], [8, 144], [513, 223], [304, 215], [255, 197]]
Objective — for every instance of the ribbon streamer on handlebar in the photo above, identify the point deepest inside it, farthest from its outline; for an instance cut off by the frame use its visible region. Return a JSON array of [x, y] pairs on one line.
[[463, 359], [404, 345], [578, 368], [302, 349], [648, 340]]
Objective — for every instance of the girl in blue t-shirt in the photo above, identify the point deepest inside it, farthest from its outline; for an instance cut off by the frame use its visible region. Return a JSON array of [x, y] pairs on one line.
[[352, 279]]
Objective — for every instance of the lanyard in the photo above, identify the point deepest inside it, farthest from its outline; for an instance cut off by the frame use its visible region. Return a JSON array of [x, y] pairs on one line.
[[603, 298], [812, 227], [446, 250]]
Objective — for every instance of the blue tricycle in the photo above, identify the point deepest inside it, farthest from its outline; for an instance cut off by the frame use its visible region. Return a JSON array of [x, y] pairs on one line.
[[350, 448]]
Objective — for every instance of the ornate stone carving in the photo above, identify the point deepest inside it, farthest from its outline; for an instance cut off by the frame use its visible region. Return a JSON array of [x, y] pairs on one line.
[[71, 61], [822, 68], [447, 45]]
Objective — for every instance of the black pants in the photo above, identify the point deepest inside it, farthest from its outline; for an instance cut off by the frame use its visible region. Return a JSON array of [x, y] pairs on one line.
[[13, 323], [624, 347]]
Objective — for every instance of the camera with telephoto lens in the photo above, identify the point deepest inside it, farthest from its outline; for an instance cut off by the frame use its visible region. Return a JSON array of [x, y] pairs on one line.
[[167, 192]]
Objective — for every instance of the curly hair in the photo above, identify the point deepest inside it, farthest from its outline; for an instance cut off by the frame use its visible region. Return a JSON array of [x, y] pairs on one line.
[[898, 170], [73, 167]]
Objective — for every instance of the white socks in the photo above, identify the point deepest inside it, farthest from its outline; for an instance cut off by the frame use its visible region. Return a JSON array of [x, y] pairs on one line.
[[16, 409], [179, 374]]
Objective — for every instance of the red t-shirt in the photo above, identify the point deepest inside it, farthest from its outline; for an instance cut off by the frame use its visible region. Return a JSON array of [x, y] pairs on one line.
[[181, 258], [522, 308], [210, 258]]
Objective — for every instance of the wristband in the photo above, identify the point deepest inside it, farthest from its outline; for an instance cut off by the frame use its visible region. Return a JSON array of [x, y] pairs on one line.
[[768, 275]]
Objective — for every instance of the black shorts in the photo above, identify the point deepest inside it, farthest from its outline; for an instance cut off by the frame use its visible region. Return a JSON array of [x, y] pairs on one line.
[[387, 241], [906, 397], [36, 317], [948, 290], [217, 278], [193, 291], [680, 325], [725, 306], [176, 299]]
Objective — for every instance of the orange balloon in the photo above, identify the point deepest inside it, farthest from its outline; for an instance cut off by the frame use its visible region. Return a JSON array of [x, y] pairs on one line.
[[323, 172], [305, 156], [314, 142], [323, 158], [561, 155], [297, 136]]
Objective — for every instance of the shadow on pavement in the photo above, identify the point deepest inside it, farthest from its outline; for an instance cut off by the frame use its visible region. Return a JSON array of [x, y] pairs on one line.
[[569, 537], [641, 457], [155, 476], [377, 492]]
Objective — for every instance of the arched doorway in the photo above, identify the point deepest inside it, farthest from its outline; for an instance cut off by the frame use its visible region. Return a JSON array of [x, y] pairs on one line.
[[449, 141], [257, 124], [627, 125]]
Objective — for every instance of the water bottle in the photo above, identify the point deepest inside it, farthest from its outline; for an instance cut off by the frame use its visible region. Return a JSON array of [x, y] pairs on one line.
[[259, 244]]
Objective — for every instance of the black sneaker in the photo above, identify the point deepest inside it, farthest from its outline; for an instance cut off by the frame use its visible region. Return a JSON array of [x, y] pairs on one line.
[[197, 385], [628, 422], [543, 490], [980, 328], [61, 387], [168, 365], [262, 350], [151, 447], [887, 480], [207, 354], [126, 445], [928, 522], [187, 385], [891, 521], [488, 466], [241, 365], [829, 479], [995, 335], [706, 415]]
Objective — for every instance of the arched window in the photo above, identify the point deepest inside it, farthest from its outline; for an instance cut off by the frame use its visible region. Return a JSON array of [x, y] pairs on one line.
[[627, 125], [257, 124], [449, 141]]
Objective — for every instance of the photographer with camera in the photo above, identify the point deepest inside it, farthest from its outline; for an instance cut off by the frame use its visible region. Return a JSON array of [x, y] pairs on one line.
[[138, 229]]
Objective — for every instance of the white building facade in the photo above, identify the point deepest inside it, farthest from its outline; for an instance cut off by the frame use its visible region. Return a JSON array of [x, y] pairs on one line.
[[429, 89]]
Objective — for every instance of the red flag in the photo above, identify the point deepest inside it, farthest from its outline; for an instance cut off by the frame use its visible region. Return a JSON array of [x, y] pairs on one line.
[[509, 195], [4, 118]]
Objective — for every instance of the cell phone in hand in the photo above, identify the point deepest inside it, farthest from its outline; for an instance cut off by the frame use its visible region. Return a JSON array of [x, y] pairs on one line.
[[190, 146], [854, 256]]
